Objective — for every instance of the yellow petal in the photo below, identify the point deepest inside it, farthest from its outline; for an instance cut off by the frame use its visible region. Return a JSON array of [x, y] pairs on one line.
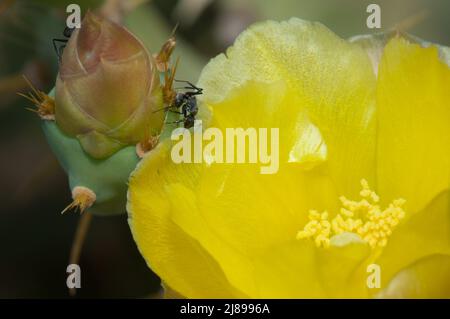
[[429, 277], [288, 271], [171, 253], [426, 233], [343, 266], [319, 91], [186, 215], [332, 80], [413, 109], [239, 212], [299, 269], [169, 293]]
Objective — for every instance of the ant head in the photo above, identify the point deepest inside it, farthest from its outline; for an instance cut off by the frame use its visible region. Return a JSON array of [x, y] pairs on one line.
[[68, 32], [179, 99]]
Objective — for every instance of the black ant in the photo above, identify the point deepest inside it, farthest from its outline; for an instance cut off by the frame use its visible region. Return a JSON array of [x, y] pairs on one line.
[[58, 50], [186, 104]]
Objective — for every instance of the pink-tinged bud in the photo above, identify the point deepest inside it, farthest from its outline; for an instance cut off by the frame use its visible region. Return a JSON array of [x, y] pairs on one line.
[[108, 89]]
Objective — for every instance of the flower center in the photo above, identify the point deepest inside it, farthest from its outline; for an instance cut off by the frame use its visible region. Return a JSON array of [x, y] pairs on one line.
[[364, 218]]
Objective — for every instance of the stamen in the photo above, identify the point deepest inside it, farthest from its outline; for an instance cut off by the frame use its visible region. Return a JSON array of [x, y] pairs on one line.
[[318, 228], [364, 218]]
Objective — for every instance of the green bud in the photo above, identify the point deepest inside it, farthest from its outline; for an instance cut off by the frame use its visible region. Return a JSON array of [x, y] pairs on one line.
[[106, 179], [108, 89], [101, 116]]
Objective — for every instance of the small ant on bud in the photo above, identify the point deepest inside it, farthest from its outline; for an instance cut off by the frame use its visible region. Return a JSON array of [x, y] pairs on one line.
[[183, 103], [187, 103], [62, 42]]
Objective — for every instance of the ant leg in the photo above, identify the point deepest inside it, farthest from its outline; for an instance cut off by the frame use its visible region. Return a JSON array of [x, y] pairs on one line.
[[176, 122], [54, 46], [176, 112], [61, 49], [58, 49], [191, 93], [55, 41], [183, 88], [163, 108]]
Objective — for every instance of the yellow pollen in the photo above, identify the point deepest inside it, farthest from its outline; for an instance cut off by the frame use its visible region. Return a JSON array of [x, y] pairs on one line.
[[364, 218]]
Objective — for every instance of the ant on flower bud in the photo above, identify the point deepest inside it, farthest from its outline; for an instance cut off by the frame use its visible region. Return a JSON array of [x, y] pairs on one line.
[[59, 49], [187, 103], [183, 103]]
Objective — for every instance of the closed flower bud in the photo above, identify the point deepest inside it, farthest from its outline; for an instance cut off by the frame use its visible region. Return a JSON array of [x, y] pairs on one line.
[[108, 89]]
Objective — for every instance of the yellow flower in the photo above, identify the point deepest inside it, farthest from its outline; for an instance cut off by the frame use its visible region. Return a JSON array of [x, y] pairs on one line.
[[363, 176]]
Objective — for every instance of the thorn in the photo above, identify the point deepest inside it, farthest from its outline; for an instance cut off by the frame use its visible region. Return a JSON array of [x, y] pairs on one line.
[[45, 105], [169, 93], [411, 21], [83, 198], [31, 110], [172, 34], [163, 57]]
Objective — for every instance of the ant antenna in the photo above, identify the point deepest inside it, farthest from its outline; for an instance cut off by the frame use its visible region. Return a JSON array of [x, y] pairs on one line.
[[176, 122], [191, 86], [163, 108]]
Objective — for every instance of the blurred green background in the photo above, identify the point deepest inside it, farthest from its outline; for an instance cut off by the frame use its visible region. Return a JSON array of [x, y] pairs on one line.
[[35, 239]]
